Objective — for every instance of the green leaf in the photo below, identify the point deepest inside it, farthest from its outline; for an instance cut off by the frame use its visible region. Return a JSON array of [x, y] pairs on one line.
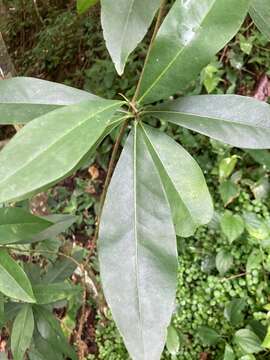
[[254, 260], [256, 226], [224, 262], [234, 311], [60, 223], [51, 293], [184, 183], [208, 336], [23, 99], [248, 341], [247, 357], [228, 192], [43, 350], [22, 332], [62, 269], [232, 225], [13, 280], [259, 329], [260, 156], [138, 246], [266, 341], [226, 167], [84, 5], [50, 147], [235, 120], [16, 224], [125, 23], [52, 333], [190, 36], [172, 342], [260, 13], [228, 353]]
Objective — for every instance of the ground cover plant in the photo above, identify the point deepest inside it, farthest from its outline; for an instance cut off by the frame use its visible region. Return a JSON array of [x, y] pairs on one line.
[[152, 146]]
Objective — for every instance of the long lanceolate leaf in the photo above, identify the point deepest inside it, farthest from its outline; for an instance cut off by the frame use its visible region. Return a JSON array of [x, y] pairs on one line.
[[50, 147], [22, 332], [13, 280], [236, 120], [193, 32], [22, 99], [125, 23], [183, 180], [137, 252], [260, 13], [17, 224]]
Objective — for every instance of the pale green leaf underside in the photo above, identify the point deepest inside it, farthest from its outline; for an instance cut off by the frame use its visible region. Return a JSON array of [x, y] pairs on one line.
[[22, 332], [23, 99], [13, 280], [48, 148], [183, 181], [125, 23], [137, 252], [260, 13], [236, 120], [192, 33]]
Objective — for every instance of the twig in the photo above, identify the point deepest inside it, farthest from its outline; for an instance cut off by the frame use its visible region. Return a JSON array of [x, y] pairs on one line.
[[38, 13], [234, 277]]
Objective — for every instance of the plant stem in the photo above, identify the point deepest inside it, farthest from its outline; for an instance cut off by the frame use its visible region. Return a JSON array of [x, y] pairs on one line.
[[157, 25], [108, 179]]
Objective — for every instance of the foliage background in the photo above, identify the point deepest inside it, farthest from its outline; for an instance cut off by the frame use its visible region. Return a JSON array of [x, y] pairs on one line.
[[53, 42]]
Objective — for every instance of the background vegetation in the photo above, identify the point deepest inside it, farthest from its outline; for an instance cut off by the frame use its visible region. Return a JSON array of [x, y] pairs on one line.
[[223, 280]]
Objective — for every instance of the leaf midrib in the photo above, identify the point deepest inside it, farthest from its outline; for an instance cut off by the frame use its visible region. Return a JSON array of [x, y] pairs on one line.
[[41, 152], [136, 237], [176, 56]]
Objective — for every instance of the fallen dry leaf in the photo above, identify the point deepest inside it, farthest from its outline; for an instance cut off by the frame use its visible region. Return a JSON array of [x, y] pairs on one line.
[[94, 172], [262, 91]]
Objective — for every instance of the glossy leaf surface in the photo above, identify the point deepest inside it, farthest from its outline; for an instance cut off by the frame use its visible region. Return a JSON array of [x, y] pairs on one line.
[[125, 23], [50, 147], [260, 13], [17, 224], [22, 332], [24, 98], [236, 120], [137, 252], [184, 183], [13, 280], [192, 33]]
